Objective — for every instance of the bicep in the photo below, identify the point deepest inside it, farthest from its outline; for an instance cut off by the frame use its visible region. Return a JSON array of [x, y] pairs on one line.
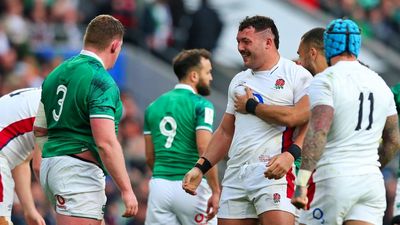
[[227, 125], [321, 118], [103, 130]]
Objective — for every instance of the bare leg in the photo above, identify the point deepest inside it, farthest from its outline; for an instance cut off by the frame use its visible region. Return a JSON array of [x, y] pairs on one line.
[[356, 222], [237, 221], [276, 217], [68, 220]]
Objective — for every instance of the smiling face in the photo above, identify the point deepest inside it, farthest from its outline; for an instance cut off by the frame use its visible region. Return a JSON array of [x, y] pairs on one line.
[[252, 47]]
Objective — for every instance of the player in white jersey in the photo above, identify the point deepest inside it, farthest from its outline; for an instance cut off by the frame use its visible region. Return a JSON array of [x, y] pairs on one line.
[[257, 132], [352, 108], [18, 111]]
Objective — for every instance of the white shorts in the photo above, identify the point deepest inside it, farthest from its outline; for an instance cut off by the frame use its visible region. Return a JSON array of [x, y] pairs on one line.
[[168, 203], [339, 199], [6, 189], [246, 193], [75, 187]]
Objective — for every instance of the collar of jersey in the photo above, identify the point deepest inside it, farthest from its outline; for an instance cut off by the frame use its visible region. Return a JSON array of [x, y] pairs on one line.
[[267, 72], [184, 86], [93, 55]]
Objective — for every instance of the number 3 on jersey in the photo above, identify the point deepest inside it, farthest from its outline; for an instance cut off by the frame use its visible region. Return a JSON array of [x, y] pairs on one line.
[[63, 90], [168, 128]]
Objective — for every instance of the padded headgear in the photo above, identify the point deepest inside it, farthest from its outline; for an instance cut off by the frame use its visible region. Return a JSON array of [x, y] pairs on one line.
[[341, 36]]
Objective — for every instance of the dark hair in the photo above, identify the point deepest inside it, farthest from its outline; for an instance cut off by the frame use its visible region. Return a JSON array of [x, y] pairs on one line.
[[102, 30], [188, 59], [261, 23], [314, 38]]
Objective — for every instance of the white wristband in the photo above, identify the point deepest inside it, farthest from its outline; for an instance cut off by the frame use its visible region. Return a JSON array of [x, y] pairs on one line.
[[302, 178]]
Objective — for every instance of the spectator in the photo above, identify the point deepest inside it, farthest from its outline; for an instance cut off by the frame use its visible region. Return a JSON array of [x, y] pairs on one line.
[[205, 29]]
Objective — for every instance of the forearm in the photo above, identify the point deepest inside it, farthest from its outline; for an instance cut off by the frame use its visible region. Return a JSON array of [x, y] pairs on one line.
[[22, 178], [313, 148], [282, 115], [212, 180], [316, 136], [113, 159], [301, 134]]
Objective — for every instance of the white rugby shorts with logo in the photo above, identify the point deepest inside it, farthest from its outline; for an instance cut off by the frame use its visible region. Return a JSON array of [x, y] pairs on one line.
[[75, 187], [246, 193], [168, 203], [338, 199]]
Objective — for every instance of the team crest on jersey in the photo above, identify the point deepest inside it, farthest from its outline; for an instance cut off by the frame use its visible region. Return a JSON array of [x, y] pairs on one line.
[[279, 83], [276, 198]]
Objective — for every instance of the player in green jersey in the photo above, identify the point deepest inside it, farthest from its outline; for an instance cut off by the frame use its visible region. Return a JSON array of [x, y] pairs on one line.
[[178, 127], [79, 113]]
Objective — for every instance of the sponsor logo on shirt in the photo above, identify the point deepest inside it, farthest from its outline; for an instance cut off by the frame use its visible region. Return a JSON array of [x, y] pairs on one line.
[[200, 219], [60, 201]]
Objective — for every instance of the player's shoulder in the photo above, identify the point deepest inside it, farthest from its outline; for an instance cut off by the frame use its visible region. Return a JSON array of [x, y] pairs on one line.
[[290, 68]]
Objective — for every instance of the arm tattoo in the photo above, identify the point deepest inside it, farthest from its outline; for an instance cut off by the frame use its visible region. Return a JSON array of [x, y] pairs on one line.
[[391, 139], [315, 140]]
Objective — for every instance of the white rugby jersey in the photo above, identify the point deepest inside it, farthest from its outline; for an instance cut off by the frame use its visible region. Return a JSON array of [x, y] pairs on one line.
[[362, 101], [255, 140], [18, 111]]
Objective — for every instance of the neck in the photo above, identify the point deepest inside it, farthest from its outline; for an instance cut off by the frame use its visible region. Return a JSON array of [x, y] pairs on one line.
[[343, 57], [321, 64], [191, 84], [100, 54], [270, 61]]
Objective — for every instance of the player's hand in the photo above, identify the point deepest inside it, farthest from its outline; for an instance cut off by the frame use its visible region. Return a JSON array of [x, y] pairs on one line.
[[241, 100], [300, 199], [279, 165], [33, 217], [212, 206], [192, 180], [131, 203]]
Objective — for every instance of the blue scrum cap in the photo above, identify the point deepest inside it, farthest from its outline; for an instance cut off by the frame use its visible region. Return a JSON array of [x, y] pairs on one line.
[[341, 36]]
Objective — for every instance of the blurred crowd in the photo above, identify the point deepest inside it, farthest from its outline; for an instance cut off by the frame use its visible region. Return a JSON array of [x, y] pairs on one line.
[[378, 19]]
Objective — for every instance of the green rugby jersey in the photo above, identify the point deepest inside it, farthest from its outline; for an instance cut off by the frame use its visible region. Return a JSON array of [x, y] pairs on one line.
[[77, 90], [396, 93], [172, 121]]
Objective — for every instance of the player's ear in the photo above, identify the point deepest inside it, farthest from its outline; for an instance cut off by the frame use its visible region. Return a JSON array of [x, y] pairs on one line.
[[194, 76], [313, 52], [115, 45]]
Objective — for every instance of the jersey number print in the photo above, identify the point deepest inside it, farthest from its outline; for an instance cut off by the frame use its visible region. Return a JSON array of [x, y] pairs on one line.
[[360, 110], [168, 128], [61, 88]]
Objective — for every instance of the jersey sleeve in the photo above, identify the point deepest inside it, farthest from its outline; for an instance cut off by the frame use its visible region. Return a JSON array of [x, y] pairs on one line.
[[103, 97], [205, 115], [303, 81], [320, 91]]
